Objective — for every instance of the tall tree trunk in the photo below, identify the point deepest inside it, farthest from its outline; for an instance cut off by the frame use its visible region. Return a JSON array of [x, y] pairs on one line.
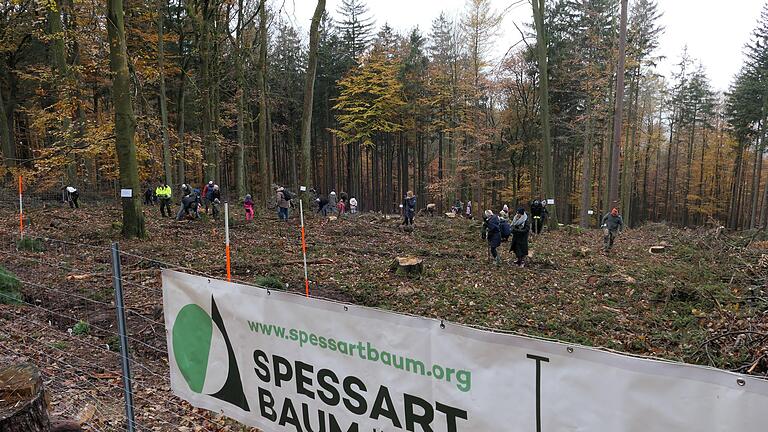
[[733, 213], [757, 172], [261, 72], [548, 177], [161, 8], [125, 122], [309, 92], [6, 145], [613, 194], [61, 69], [206, 97], [689, 168], [180, 109], [701, 177], [239, 59], [586, 177]]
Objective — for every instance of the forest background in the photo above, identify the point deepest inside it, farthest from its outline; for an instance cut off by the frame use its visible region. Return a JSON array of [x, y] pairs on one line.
[[231, 91]]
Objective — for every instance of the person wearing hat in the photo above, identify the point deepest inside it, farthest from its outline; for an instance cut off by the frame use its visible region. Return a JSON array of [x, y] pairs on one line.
[[214, 197], [248, 205], [208, 195], [282, 204], [612, 225], [71, 195], [492, 226], [521, 226], [332, 201]]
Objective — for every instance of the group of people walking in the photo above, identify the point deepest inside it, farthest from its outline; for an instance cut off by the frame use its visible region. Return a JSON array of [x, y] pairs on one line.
[[499, 228]]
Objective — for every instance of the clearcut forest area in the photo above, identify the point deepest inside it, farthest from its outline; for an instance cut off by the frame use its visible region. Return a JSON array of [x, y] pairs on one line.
[[703, 300]]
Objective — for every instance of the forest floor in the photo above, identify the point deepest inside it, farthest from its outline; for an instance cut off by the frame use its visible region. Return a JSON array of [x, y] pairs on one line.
[[703, 301]]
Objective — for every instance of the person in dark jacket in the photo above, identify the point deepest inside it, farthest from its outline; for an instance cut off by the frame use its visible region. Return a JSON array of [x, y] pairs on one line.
[[71, 195], [409, 208], [521, 226], [538, 214], [215, 200], [332, 201], [492, 226], [322, 205], [149, 196], [190, 205], [208, 195], [612, 225]]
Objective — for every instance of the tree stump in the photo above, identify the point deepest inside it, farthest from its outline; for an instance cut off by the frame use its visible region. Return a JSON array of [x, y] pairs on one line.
[[407, 266], [23, 406], [657, 249]]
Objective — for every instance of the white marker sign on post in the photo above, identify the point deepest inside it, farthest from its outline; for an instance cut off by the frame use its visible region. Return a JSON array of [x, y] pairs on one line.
[[126, 193], [285, 363]]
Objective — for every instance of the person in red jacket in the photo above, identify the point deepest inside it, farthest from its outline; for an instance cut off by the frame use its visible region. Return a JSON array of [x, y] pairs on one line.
[[341, 207]]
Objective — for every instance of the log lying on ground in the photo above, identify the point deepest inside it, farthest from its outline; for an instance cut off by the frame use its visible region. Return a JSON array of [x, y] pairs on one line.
[[407, 266], [23, 406]]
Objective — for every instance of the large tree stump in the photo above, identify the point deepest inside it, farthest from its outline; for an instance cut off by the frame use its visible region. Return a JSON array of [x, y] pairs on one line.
[[407, 266], [23, 406]]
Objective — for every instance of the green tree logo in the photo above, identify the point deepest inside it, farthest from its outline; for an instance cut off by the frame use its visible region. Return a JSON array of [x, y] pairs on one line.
[[192, 341]]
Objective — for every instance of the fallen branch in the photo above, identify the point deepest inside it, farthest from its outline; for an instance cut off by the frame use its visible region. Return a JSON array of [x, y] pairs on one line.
[[84, 276]]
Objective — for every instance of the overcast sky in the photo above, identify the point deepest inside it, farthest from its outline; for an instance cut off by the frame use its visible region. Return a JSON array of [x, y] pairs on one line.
[[715, 31]]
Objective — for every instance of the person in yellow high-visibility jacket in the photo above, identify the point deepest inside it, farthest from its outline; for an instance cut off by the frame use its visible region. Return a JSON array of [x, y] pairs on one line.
[[163, 193]]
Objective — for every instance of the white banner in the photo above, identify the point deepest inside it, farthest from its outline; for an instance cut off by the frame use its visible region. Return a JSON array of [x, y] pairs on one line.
[[282, 362]]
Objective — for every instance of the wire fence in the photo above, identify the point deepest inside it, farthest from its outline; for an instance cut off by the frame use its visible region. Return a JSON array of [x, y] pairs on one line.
[[65, 322]]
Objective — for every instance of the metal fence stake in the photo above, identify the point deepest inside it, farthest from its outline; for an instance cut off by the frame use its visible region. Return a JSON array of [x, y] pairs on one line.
[[120, 307]]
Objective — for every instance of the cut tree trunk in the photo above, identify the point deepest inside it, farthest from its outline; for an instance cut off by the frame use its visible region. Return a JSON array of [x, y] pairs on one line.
[[407, 266], [657, 249], [23, 405]]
